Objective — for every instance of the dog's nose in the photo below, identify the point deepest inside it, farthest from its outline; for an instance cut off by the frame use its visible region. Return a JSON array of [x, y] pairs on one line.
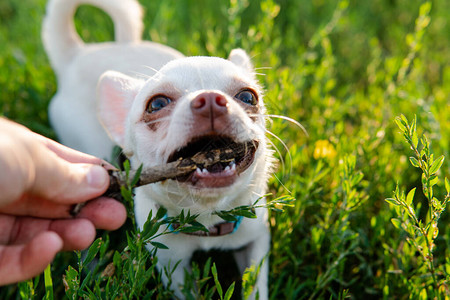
[[209, 105]]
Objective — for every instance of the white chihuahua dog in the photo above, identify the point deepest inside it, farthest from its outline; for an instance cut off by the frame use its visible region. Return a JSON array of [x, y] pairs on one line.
[[190, 104], [78, 66]]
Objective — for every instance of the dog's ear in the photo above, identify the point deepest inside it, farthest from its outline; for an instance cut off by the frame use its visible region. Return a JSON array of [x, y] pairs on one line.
[[240, 58], [116, 92]]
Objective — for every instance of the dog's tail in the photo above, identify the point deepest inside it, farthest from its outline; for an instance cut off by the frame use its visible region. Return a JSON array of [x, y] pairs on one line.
[[61, 40]]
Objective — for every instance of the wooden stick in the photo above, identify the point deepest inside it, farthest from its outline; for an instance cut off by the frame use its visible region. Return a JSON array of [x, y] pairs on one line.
[[181, 167], [178, 168]]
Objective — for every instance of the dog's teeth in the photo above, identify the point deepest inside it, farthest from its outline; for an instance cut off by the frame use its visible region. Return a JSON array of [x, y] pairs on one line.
[[204, 171], [233, 166], [199, 171], [227, 168]]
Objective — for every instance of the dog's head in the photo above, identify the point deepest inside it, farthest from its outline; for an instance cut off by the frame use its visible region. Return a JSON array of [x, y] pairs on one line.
[[192, 104]]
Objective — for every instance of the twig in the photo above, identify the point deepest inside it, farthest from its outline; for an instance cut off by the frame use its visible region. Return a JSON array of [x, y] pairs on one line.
[[178, 168]]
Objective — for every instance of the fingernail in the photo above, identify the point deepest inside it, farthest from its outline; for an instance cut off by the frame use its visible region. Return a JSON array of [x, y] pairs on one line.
[[97, 177], [106, 165]]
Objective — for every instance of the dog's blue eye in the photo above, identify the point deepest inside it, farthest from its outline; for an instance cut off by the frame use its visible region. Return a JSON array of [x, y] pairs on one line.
[[247, 97], [157, 103]]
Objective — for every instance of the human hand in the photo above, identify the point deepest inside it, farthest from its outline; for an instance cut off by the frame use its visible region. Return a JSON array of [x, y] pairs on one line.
[[40, 182]]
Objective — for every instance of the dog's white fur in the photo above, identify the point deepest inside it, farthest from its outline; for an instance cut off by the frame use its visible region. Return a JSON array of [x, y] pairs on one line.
[[122, 108], [78, 66]]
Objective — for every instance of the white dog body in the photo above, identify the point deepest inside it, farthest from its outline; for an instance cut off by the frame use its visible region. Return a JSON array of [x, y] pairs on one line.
[[189, 105], [78, 67]]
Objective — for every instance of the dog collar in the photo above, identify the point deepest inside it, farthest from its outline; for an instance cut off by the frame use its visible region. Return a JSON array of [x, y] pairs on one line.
[[219, 229]]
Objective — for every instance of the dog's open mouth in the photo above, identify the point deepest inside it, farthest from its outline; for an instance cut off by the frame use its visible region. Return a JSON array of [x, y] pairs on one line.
[[222, 173]]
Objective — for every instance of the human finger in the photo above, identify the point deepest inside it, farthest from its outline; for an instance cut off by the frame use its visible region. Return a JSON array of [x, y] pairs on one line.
[[77, 234], [33, 206], [104, 213], [21, 262]]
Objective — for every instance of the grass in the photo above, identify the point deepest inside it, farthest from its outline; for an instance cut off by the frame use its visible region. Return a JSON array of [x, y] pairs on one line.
[[343, 69]]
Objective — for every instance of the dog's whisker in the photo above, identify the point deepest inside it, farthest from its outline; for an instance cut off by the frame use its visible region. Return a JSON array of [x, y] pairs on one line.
[[144, 75], [183, 198], [158, 120], [157, 71], [151, 68], [263, 68], [296, 123], [278, 151], [283, 164], [281, 183], [148, 76], [285, 147], [259, 74], [259, 195], [141, 75]]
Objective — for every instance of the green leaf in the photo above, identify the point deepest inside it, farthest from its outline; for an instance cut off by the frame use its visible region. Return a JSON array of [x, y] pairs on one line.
[[161, 213], [150, 229], [137, 176], [126, 194], [283, 200], [71, 282], [198, 225], [71, 273], [425, 143], [249, 280], [404, 119], [421, 240], [126, 167], [182, 216], [227, 216], [437, 205], [216, 281], [422, 153], [414, 162], [396, 222], [415, 139], [424, 181], [48, 283], [246, 213], [433, 231], [434, 180], [207, 267], [410, 196], [425, 8], [159, 245], [437, 164], [413, 126], [400, 124], [392, 201], [447, 185], [190, 229], [117, 259], [92, 252], [229, 292], [356, 178]]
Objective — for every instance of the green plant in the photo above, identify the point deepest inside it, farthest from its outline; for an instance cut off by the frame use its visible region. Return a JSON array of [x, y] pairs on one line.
[[422, 231]]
